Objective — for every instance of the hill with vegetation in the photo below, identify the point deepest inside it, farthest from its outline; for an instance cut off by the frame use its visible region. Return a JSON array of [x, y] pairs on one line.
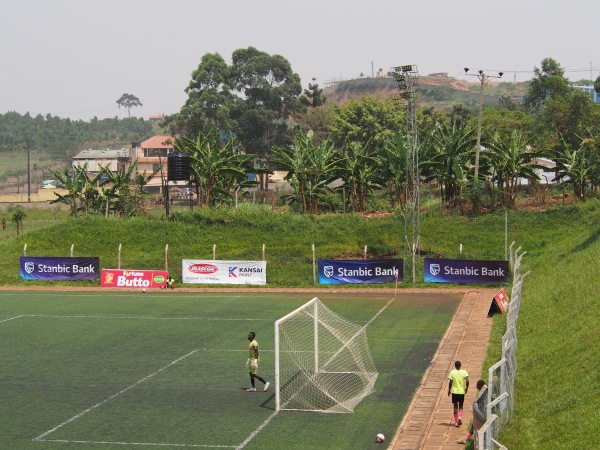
[[437, 92]]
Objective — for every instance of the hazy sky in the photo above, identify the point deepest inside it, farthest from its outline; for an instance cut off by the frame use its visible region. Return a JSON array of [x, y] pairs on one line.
[[75, 58]]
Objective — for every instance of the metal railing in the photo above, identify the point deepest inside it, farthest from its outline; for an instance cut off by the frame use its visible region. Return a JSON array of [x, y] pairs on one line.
[[498, 401]]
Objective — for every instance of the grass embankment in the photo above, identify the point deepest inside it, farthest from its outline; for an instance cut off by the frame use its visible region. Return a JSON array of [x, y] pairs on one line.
[[559, 320]]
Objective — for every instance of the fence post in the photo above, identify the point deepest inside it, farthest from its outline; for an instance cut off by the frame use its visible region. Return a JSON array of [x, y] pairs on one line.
[[119, 258], [314, 265]]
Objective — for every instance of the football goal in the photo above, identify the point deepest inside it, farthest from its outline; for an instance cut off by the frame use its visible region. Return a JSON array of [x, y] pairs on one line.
[[322, 361]]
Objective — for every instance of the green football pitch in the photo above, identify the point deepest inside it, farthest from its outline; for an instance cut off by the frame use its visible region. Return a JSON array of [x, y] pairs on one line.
[[163, 369]]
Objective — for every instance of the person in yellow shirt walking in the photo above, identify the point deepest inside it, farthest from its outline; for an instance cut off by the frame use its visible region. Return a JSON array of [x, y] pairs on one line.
[[252, 363], [458, 385]]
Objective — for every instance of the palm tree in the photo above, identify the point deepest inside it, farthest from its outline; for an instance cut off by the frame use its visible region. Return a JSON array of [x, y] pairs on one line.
[[360, 172], [450, 151], [310, 168], [218, 168], [393, 165], [509, 161], [573, 168], [77, 183], [121, 192]]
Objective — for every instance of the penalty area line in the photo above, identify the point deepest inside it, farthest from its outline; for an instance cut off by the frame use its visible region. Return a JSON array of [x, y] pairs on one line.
[[140, 444], [112, 397]]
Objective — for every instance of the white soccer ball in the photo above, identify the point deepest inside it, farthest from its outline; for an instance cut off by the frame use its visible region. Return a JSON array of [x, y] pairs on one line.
[[143, 289], [380, 437]]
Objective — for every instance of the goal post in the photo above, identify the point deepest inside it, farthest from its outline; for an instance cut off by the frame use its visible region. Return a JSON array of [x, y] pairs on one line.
[[322, 361]]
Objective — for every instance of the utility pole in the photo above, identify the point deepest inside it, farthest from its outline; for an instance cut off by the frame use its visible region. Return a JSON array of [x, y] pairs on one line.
[[29, 143], [482, 78]]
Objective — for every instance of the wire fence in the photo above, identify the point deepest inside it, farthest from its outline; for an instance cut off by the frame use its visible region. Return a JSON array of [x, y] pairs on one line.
[[496, 402]]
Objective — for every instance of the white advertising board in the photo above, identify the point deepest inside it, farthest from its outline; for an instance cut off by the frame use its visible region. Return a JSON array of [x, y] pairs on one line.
[[196, 271]]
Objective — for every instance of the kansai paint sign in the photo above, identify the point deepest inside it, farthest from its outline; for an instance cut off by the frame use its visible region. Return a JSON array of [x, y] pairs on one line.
[[224, 272], [133, 278], [465, 271], [57, 268], [360, 271]]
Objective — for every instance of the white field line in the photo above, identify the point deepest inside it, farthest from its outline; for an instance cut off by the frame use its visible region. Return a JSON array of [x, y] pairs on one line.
[[122, 391], [136, 317], [272, 416], [141, 444], [12, 318]]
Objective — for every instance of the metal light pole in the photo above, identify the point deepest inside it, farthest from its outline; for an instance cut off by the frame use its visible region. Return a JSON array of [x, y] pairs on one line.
[[482, 78]]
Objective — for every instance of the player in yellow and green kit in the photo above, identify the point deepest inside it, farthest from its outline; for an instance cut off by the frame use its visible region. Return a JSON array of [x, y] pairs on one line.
[[252, 363], [459, 386]]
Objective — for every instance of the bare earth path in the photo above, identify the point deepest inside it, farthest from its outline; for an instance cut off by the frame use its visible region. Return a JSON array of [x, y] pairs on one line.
[[428, 422]]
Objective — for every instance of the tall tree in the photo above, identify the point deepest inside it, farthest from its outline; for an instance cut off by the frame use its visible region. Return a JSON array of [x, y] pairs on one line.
[[128, 101], [209, 101], [313, 96], [548, 82], [369, 121], [270, 91]]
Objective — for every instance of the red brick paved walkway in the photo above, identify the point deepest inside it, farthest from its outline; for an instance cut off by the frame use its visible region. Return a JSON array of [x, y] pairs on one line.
[[428, 422]]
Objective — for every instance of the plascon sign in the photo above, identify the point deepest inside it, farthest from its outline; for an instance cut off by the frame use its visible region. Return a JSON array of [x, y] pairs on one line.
[[133, 278]]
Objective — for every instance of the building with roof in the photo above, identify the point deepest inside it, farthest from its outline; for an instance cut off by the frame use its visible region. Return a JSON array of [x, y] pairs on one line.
[[96, 159], [151, 155], [594, 96]]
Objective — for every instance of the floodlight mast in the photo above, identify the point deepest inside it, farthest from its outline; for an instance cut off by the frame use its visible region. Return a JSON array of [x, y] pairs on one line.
[[407, 77], [482, 78]]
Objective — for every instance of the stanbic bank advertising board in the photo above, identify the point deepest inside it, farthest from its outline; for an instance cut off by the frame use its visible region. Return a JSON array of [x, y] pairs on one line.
[[224, 272], [333, 271], [465, 271]]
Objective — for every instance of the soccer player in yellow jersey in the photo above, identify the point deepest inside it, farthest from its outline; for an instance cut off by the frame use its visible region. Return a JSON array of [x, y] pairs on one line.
[[459, 386], [252, 363]]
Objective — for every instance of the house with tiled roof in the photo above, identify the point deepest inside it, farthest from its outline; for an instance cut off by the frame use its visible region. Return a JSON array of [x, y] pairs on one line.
[[151, 155]]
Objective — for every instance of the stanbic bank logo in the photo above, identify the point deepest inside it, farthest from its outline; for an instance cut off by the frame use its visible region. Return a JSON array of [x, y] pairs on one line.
[[328, 271], [29, 267], [434, 269]]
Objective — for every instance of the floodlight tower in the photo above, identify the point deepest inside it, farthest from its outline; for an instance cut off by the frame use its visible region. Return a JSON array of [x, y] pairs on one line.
[[407, 77], [482, 78]]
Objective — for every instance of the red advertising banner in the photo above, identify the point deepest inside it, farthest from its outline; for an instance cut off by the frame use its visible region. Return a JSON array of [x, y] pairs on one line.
[[499, 303], [502, 300], [133, 278]]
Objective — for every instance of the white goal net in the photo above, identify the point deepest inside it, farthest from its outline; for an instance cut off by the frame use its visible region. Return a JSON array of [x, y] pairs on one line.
[[322, 361]]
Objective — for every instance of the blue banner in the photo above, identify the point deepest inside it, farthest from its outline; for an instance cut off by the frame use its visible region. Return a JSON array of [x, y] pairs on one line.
[[56, 268], [360, 271], [465, 271]]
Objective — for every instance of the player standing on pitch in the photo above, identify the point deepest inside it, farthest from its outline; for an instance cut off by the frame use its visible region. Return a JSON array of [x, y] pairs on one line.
[[252, 363]]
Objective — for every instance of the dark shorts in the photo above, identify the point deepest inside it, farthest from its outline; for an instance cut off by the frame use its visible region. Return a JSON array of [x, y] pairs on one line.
[[458, 398]]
